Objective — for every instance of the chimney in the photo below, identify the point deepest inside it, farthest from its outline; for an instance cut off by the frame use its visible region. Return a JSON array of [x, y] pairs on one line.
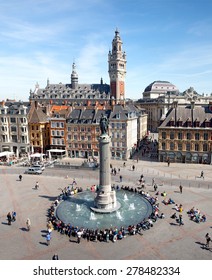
[[175, 103], [192, 113]]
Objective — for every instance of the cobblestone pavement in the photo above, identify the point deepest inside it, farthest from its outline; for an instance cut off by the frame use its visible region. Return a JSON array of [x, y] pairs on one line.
[[165, 240]]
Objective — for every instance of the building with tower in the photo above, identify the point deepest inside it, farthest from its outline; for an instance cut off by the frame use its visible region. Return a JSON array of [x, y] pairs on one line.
[[117, 69]]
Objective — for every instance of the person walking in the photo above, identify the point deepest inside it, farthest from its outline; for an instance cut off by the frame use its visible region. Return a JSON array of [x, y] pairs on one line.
[[37, 186], [208, 239], [202, 175], [9, 218], [153, 181], [48, 239], [181, 188], [181, 220], [20, 177], [120, 177], [168, 161], [28, 224]]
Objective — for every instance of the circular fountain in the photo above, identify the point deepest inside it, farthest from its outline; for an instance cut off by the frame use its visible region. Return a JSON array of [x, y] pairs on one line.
[[76, 210], [106, 207]]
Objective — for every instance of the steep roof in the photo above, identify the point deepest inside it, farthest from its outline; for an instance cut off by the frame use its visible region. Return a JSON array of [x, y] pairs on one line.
[[38, 116], [200, 113]]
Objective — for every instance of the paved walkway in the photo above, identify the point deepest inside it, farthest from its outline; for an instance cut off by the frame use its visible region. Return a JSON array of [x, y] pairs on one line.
[[164, 241]]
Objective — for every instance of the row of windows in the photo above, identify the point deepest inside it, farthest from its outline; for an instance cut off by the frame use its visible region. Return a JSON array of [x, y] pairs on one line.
[[57, 124], [56, 141], [14, 138], [14, 120], [4, 111], [187, 147], [118, 144], [14, 129], [57, 132], [82, 137], [82, 129], [188, 135], [118, 125], [83, 146]]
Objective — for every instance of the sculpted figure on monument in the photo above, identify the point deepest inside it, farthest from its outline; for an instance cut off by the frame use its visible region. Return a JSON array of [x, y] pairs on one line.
[[104, 124]]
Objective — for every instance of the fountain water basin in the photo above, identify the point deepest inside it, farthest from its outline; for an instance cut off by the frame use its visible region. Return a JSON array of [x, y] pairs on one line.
[[76, 210]]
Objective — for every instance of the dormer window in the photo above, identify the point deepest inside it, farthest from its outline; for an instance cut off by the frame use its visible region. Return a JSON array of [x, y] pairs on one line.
[[196, 123], [188, 122], [118, 116], [207, 123]]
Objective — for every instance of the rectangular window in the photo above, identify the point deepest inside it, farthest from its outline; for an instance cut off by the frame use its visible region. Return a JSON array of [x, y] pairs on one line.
[[171, 135], [163, 135], [163, 146], [13, 120], [180, 147], [4, 138], [180, 135], [14, 138], [205, 136], [196, 147], [188, 147], [205, 147], [196, 136], [188, 136], [172, 146]]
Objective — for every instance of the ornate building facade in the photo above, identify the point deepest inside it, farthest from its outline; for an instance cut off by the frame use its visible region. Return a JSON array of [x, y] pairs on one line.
[[185, 135], [14, 134], [159, 98]]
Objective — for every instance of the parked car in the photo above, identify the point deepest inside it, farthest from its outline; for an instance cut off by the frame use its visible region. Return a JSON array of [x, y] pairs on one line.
[[33, 170], [39, 167]]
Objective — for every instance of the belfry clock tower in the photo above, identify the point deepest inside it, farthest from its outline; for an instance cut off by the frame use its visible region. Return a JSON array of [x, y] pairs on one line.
[[117, 68]]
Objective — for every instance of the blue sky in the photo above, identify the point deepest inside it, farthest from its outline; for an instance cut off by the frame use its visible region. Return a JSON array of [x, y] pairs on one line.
[[164, 40]]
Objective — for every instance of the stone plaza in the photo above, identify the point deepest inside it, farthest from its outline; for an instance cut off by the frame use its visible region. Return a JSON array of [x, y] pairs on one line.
[[165, 240]]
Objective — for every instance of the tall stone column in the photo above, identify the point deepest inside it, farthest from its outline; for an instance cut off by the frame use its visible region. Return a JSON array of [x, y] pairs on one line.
[[105, 200], [104, 155]]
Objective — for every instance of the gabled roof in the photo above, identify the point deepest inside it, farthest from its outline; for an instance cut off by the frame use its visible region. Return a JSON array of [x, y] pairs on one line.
[[38, 116]]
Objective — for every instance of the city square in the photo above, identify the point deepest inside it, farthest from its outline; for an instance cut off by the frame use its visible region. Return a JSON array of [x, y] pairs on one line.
[[166, 240]]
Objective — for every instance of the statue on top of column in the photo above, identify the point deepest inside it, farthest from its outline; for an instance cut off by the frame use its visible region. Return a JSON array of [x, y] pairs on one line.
[[104, 124]]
